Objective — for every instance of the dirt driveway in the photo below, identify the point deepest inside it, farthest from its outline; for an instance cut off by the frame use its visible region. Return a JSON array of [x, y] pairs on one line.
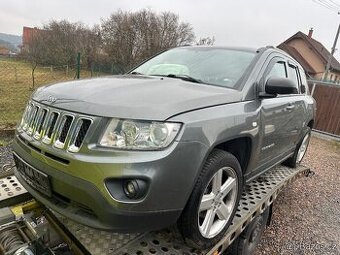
[[306, 215]]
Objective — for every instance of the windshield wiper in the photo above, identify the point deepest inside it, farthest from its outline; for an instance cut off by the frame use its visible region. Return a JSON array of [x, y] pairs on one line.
[[137, 73], [185, 78]]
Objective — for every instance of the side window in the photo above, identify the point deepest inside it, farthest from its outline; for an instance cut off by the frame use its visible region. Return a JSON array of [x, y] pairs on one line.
[[293, 75], [278, 70]]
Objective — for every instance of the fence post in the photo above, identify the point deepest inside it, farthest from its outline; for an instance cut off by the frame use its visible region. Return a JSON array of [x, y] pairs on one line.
[[78, 65]]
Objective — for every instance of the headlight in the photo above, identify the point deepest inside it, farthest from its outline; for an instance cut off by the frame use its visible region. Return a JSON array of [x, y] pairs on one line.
[[139, 135]]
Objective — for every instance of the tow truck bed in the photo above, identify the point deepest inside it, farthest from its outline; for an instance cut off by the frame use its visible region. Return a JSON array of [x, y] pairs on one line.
[[257, 196]]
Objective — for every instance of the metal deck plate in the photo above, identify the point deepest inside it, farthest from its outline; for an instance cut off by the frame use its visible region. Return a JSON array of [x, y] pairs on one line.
[[257, 196], [97, 242], [10, 187]]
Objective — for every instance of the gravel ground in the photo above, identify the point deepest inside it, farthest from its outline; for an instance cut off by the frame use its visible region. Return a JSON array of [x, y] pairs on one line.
[[6, 158], [306, 215]]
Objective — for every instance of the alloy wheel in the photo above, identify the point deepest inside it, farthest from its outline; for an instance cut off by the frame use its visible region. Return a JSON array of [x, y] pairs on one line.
[[303, 148], [218, 202]]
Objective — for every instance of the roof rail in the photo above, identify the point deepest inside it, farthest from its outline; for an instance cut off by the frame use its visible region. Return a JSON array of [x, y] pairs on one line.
[[264, 48]]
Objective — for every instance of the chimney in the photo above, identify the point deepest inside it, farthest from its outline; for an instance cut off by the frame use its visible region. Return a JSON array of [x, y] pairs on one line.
[[310, 33]]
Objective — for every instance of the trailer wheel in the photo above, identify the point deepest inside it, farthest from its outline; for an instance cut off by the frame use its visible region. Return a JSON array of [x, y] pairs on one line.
[[213, 201], [246, 243], [300, 151]]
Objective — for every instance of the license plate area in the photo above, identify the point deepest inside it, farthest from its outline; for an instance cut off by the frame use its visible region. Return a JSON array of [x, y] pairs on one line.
[[35, 178]]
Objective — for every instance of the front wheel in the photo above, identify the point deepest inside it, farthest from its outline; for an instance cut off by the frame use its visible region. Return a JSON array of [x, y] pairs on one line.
[[300, 151], [213, 202]]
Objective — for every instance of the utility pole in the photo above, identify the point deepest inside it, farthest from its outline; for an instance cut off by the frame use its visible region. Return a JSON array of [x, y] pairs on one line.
[[331, 55]]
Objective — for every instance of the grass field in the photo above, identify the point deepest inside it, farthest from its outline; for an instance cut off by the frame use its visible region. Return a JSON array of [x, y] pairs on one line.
[[16, 86]]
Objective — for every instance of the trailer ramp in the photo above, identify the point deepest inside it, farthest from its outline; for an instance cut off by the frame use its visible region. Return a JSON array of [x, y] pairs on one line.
[[257, 196]]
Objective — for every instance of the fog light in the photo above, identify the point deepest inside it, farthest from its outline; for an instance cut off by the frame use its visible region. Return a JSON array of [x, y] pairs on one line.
[[131, 188], [135, 188]]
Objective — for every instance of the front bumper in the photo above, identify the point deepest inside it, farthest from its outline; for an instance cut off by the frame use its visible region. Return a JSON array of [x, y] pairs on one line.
[[79, 192]]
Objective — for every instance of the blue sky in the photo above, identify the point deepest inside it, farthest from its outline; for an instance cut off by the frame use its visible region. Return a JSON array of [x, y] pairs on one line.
[[241, 23]]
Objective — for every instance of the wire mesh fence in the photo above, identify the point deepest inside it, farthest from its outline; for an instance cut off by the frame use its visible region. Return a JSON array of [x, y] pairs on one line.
[[21, 72], [18, 78]]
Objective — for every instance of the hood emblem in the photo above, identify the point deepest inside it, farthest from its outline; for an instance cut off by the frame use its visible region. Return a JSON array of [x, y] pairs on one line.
[[51, 99]]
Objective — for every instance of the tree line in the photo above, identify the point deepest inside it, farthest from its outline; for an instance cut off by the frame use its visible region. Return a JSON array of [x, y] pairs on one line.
[[124, 39]]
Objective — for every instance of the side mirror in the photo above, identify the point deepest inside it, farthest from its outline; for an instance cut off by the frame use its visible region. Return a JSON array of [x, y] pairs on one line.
[[276, 85]]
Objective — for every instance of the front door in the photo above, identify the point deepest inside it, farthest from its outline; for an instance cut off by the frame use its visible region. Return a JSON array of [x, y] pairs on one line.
[[277, 119]]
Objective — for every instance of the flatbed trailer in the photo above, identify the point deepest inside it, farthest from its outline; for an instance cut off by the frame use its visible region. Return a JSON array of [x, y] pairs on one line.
[[257, 197]]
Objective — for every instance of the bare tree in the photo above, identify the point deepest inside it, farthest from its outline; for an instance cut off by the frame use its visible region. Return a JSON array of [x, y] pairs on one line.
[[60, 41], [66, 39], [129, 38], [35, 52], [206, 41]]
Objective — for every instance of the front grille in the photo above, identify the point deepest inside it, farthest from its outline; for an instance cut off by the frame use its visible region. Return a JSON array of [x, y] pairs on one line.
[[55, 127]]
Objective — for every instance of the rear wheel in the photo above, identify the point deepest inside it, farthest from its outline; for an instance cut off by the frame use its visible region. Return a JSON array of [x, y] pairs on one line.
[[213, 202], [300, 151]]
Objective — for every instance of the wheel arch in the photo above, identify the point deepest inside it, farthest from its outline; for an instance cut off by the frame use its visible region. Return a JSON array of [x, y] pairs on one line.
[[240, 147]]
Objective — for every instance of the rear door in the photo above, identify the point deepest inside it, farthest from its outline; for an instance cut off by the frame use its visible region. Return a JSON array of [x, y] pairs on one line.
[[298, 103]]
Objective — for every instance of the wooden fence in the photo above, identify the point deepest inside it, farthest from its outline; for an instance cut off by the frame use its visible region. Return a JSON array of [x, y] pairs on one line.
[[327, 97]]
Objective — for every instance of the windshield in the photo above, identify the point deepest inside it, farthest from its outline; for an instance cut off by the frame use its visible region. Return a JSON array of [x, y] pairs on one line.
[[216, 66]]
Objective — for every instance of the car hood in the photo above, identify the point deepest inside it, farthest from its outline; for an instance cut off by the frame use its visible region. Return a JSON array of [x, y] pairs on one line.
[[134, 97]]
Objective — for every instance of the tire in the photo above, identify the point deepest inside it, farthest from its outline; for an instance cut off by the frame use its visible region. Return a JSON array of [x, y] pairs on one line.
[[297, 157], [215, 196], [246, 243]]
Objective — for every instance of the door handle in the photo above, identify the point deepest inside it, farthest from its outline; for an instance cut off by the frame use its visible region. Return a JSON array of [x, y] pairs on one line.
[[290, 107]]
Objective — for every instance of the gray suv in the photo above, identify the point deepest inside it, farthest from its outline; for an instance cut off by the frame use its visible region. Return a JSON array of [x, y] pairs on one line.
[[174, 140]]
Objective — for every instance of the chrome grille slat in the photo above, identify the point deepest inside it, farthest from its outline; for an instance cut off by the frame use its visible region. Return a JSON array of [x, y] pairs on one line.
[[24, 116], [33, 117], [79, 134], [40, 123], [52, 123], [82, 132], [28, 116], [63, 131], [54, 127], [37, 120]]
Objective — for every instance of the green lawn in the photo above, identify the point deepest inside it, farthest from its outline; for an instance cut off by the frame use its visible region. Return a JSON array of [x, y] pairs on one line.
[[16, 86]]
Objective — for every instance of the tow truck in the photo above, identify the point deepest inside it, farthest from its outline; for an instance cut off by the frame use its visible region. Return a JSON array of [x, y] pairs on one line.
[[27, 227]]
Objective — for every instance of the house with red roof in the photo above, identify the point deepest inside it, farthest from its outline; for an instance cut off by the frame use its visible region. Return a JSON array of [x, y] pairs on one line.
[[312, 55]]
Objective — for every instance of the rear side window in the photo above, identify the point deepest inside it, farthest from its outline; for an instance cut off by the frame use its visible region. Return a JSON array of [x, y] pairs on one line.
[[304, 84], [278, 70], [293, 75]]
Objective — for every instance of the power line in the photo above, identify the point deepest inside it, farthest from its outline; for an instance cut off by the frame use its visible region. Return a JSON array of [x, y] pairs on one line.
[[335, 3], [319, 3], [327, 5]]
